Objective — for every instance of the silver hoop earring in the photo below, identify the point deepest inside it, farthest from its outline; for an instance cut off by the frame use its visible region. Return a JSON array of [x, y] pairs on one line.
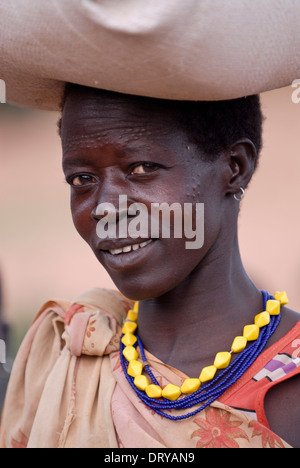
[[241, 197]]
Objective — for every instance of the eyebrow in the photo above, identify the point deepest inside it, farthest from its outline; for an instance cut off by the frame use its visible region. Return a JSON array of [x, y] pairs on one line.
[[137, 149], [75, 161]]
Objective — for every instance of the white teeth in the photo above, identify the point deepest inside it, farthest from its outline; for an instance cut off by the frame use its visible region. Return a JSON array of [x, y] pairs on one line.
[[116, 251], [128, 248], [143, 244]]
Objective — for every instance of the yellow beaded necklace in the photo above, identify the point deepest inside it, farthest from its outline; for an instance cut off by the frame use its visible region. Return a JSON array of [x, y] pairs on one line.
[[222, 360]]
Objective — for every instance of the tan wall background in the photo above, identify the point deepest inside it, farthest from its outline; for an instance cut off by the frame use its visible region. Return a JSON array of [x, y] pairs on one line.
[[42, 256]]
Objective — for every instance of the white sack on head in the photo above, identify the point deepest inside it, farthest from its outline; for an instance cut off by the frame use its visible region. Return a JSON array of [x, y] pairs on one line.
[[173, 49]]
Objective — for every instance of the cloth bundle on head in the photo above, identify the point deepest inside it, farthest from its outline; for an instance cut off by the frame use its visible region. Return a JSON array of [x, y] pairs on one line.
[[173, 49]]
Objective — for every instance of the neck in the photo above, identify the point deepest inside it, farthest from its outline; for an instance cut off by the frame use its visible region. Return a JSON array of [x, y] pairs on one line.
[[186, 327]]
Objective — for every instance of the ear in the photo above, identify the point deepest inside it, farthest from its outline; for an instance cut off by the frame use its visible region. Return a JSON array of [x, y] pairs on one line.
[[241, 160]]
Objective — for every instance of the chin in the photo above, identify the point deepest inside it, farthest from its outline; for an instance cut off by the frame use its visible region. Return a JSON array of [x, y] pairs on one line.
[[141, 290]]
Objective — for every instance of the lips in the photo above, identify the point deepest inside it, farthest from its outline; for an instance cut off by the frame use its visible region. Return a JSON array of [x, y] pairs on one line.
[[125, 256]]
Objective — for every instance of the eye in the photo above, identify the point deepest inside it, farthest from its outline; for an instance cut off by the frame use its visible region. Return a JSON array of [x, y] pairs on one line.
[[81, 180], [144, 168]]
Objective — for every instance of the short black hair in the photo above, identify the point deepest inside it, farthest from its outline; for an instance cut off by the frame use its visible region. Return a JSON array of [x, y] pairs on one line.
[[212, 125], [215, 126]]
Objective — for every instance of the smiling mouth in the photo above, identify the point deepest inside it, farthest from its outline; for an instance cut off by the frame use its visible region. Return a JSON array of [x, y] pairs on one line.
[[129, 248]]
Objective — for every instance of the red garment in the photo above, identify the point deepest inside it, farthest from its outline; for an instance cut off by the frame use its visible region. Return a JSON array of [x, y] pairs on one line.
[[275, 365]]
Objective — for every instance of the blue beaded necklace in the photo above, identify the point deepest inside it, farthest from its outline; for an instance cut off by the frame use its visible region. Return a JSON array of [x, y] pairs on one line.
[[212, 390]]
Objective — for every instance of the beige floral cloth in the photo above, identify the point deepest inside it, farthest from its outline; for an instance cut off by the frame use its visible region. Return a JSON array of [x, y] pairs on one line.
[[68, 390]]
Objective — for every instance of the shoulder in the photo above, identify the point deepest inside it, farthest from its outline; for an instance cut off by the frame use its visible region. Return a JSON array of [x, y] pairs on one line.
[[282, 403], [45, 355], [109, 299], [289, 320], [282, 408]]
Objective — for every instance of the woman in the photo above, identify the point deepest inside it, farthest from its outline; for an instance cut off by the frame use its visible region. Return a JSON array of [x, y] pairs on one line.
[[192, 302]]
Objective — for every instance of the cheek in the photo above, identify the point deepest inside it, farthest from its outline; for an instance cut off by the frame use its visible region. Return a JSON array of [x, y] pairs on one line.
[[205, 187], [82, 219]]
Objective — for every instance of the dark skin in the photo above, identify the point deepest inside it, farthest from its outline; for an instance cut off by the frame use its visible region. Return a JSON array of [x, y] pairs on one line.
[[192, 302]]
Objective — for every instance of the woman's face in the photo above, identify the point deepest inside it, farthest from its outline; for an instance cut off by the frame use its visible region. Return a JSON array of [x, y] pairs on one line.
[[120, 146]]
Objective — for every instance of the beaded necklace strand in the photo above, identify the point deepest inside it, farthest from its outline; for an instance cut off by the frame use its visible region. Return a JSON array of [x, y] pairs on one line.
[[208, 387]]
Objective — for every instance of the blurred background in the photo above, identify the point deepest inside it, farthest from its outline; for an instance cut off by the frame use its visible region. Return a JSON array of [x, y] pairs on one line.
[[42, 257]]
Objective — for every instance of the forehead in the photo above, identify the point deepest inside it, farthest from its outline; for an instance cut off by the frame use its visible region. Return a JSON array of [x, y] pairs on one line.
[[89, 112]]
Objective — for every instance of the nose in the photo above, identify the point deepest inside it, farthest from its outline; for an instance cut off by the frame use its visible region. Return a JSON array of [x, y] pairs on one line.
[[113, 197], [113, 202], [115, 208], [106, 199], [112, 218]]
